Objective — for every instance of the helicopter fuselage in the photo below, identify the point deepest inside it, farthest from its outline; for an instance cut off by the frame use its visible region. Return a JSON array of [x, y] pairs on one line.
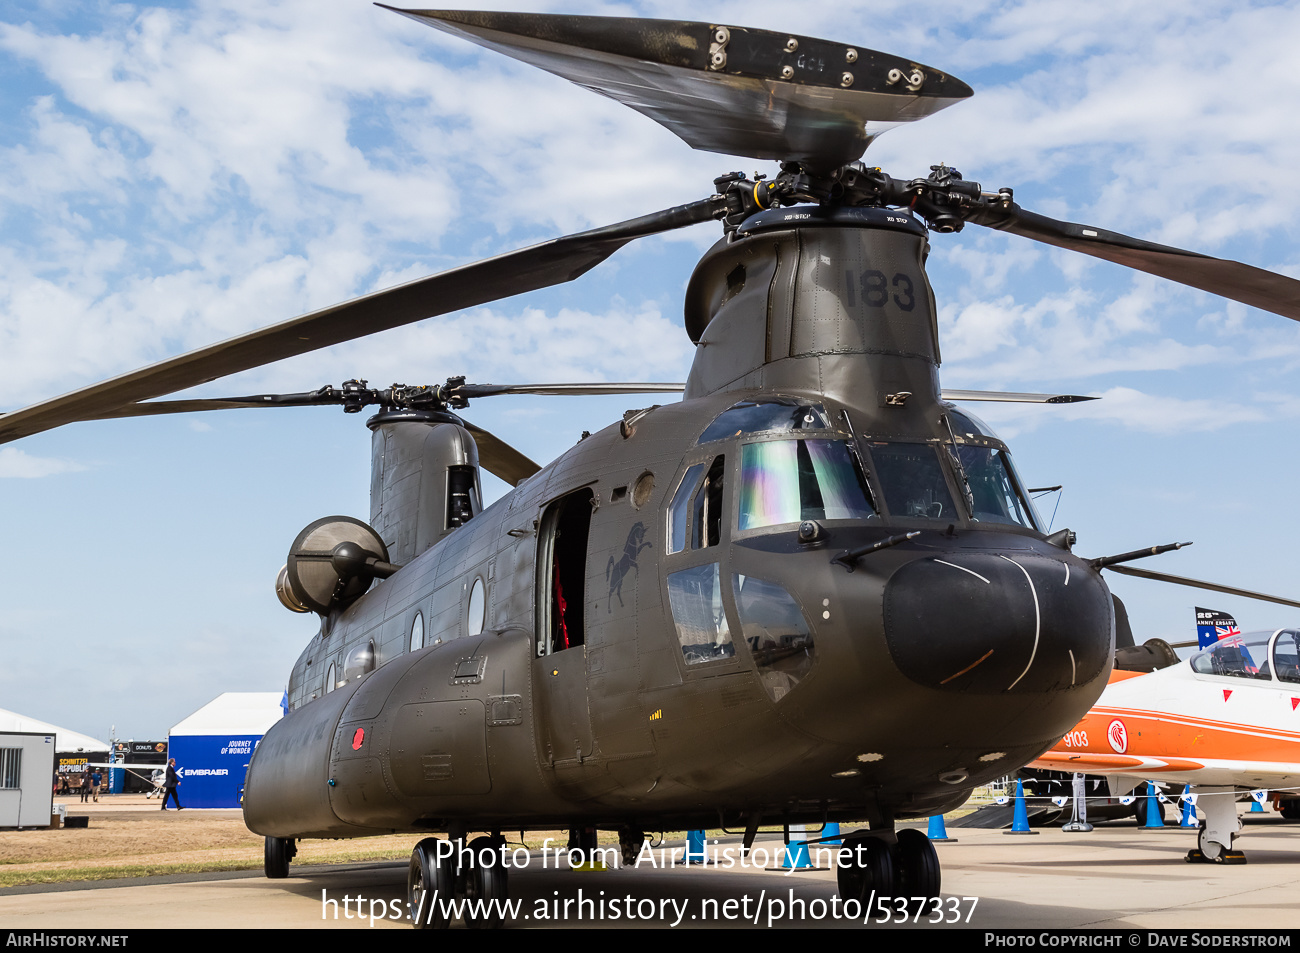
[[811, 590]]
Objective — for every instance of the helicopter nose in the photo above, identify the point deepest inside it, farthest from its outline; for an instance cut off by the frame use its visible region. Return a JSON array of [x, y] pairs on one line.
[[1019, 623]]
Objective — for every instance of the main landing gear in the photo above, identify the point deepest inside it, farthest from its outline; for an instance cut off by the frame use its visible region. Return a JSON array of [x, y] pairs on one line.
[[442, 873], [889, 865]]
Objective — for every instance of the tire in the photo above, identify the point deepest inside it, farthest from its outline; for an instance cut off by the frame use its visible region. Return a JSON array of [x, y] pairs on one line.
[[1140, 810], [1290, 810], [916, 866], [1212, 850], [486, 884], [428, 878], [870, 867], [276, 856]]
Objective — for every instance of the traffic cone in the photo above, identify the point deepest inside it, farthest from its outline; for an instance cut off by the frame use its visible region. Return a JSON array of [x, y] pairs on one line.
[[796, 852], [1020, 821], [1155, 817], [937, 832], [695, 848]]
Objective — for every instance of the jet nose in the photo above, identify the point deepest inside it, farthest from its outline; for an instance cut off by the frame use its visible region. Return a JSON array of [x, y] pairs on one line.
[[991, 623]]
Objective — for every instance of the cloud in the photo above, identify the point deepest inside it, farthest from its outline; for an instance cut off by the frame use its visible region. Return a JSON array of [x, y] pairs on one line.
[[20, 465]]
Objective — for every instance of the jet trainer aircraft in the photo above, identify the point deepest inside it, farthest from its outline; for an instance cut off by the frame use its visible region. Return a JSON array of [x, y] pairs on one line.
[[1223, 721]]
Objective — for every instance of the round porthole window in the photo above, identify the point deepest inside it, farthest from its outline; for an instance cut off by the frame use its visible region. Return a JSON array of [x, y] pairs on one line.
[[417, 632], [477, 613], [641, 490]]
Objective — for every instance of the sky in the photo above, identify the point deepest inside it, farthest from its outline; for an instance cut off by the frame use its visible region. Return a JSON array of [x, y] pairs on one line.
[[174, 174]]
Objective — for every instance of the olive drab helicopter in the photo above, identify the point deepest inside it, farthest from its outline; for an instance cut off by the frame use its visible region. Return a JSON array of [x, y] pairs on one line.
[[811, 590]]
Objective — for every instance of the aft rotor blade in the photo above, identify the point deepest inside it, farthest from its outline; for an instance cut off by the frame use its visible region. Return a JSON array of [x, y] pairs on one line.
[[1199, 584], [499, 458], [725, 89], [494, 454], [1229, 279], [1013, 397], [527, 269]]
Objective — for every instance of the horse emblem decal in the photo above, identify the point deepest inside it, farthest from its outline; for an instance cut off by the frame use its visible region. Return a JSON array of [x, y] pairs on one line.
[[617, 570]]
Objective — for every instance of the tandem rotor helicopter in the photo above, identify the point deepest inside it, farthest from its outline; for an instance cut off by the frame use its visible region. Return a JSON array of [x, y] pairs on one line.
[[811, 590]]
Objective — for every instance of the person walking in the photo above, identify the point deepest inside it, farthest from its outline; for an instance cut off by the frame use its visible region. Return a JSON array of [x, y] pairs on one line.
[[170, 784]]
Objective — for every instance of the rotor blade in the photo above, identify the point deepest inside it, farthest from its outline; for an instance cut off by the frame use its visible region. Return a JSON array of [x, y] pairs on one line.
[[158, 407], [527, 269], [720, 88], [1013, 397], [472, 391], [498, 457], [1198, 584], [1229, 279]]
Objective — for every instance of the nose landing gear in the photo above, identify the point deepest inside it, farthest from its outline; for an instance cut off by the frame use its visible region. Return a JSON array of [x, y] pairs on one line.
[[1219, 829]]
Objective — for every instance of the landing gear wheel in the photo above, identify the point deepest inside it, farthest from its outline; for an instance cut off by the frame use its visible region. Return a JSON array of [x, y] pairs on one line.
[[630, 843], [1290, 810], [429, 883], [869, 866], [1140, 811], [279, 851], [916, 866], [1212, 851], [486, 884]]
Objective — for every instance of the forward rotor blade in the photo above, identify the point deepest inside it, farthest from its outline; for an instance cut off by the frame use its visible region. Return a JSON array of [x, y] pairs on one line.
[[1198, 584], [527, 269], [499, 458], [722, 88], [472, 391], [1013, 397], [1229, 279]]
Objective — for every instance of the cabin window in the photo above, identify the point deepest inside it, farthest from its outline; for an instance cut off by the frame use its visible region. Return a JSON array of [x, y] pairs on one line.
[[786, 481], [417, 632], [476, 613], [911, 478], [774, 628], [695, 597], [330, 678], [768, 414]]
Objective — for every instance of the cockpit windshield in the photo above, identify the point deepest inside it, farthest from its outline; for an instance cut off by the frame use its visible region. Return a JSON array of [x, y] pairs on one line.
[[1241, 656], [787, 481], [911, 477]]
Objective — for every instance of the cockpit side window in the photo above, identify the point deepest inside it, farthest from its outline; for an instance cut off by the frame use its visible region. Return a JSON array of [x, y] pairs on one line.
[[707, 522], [912, 480], [679, 509], [995, 491]]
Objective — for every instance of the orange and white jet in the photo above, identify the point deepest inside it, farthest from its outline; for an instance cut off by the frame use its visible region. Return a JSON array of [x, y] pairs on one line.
[[1225, 720]]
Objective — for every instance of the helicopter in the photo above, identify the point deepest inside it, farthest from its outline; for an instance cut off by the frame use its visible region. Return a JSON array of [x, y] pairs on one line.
[[858, 476]]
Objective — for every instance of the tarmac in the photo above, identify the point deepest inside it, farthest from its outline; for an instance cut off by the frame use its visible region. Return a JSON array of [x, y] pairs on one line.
[[1118, 877]]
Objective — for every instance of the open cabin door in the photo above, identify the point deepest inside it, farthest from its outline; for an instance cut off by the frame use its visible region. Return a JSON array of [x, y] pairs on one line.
[[564, 721]]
